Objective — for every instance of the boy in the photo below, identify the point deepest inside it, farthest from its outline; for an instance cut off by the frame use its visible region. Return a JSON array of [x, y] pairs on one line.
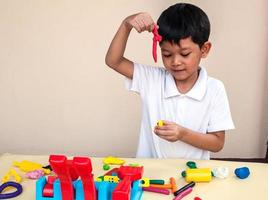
[[193, 106]]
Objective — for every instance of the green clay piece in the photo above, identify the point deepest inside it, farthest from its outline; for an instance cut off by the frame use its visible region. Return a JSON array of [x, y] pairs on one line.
[[191, 165], [157, 182], [183, 173], [134, 165], [106, 167]]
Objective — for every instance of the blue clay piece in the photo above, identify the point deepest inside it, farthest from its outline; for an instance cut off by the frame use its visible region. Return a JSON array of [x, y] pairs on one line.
[[242, 172]]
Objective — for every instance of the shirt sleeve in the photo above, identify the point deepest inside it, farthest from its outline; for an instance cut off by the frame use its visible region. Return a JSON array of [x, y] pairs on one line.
[[134, 83], [144, 77], [220, 116]]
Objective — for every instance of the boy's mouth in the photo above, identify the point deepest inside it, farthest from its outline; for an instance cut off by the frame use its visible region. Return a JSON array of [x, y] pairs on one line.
[[178, 70]]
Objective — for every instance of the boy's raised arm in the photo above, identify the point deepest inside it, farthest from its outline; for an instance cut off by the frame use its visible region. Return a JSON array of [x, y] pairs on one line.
[[115, 54]]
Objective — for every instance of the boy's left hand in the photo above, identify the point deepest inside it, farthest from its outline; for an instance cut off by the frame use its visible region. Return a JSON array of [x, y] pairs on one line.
[[170, 131]]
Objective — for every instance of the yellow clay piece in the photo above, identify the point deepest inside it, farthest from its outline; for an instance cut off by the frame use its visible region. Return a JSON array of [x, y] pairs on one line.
[[160, 123], [110, 160]]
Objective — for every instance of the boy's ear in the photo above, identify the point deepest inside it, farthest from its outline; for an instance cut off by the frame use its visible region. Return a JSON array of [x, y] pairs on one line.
[[205, 49]]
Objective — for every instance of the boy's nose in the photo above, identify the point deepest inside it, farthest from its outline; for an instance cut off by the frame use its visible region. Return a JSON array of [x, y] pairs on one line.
[[176, 61]]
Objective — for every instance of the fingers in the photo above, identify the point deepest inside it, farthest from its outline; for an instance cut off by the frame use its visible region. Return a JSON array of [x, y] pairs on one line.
[[168, 122], [137, 26], [165, 125], [168, 131], [141, 22], [141, 25], [163, 132], [166, 135], [148, 22]]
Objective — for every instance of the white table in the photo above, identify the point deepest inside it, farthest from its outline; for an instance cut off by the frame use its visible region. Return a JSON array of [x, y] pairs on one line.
[[253, 187]]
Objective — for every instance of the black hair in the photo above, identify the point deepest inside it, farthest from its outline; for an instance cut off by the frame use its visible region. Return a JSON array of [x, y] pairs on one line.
[[184, 20]]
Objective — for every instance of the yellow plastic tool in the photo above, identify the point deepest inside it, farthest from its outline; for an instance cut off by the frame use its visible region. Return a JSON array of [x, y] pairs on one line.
[[9, 174], [145, 182], [112, 179], [28, 166]]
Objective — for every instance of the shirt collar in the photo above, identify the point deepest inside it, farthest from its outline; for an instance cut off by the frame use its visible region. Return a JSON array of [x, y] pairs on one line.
[[197, 92]]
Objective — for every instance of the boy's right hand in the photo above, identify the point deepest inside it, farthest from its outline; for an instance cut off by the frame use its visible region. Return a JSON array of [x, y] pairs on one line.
[[140, 21], [169, 131]]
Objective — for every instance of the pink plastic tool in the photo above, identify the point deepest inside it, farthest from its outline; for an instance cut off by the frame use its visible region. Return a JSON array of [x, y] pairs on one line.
[[156, 38], [156, 190]]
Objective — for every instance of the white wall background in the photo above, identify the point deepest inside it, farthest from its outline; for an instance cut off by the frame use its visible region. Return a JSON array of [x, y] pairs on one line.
[[57, 95]]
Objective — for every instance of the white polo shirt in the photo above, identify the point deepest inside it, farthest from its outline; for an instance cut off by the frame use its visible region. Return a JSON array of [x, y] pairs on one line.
[[204, 108]]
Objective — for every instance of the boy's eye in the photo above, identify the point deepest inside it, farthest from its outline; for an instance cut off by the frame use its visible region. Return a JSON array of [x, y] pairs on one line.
[[166, 55], [186, 54]]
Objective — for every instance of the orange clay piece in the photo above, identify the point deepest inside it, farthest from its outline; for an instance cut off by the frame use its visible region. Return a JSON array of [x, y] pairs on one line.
[[165, 186], [173, 184]]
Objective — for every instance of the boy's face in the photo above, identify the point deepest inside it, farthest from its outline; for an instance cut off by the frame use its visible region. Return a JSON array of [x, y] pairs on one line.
[[182, 60]]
